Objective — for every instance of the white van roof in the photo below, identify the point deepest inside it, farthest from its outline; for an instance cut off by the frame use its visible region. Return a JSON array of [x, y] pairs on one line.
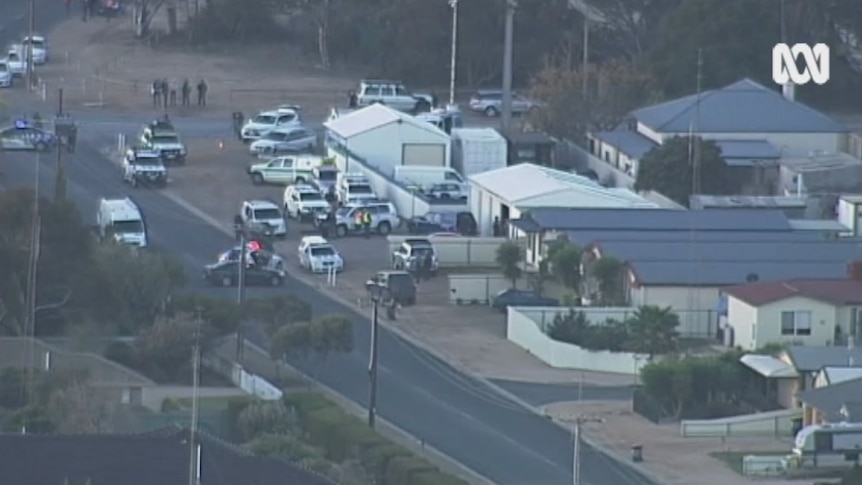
[[121, 209]]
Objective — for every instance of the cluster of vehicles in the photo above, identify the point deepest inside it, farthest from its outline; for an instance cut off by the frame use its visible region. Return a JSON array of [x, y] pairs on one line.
[[277, 131], [14, 64], [145, 164]]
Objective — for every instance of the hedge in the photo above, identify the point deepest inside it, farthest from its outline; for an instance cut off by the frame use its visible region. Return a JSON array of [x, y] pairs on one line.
[[343, 436]]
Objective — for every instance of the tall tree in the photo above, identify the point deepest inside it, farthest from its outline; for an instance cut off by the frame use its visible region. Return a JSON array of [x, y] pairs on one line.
[[629, 27], [509, 257], [668, 169], [652, 330], [608, 275]]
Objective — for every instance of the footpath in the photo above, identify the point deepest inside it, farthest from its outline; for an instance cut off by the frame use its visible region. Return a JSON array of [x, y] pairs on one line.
[[102, 68]]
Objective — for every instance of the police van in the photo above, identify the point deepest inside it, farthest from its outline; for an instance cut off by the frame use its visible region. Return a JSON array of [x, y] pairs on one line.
[[121, 220]]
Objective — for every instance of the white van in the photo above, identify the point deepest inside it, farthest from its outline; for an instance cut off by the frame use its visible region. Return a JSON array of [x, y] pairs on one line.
[[122, 221], [426, 177]]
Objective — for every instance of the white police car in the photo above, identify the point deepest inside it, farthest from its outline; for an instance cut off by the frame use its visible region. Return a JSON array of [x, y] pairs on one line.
[[23, 136], [318, 256]]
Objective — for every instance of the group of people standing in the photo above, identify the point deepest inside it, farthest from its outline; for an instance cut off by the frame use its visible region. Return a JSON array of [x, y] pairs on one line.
[[166, 95]]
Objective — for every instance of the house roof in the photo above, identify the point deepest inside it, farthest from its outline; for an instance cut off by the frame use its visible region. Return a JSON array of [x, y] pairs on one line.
[[373, 117], [161, 458], [839, 402], [745, 153], [837, 292], [631, 143], [587, 237], [732, 251], [835, 375], [768, 366], [809, 358], [575, 219], [727, 273], [701, 202], [742, 107], [527, 184]]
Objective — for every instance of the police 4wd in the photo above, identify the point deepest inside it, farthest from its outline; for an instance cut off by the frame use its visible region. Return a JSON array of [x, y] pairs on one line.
[[161, 137], [142, 166]]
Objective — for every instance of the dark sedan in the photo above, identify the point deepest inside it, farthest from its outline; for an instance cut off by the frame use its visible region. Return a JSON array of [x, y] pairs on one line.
[[462, 223], [226, 273], [515, 297]]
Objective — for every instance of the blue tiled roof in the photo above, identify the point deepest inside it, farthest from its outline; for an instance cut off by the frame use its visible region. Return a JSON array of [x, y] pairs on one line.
[[630, 143], [687, 273], [584, 238], [566, 219], [742, 107], [732, 251]]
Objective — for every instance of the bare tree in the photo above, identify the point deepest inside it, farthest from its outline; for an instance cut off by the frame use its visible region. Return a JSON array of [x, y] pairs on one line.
[[78, 408]]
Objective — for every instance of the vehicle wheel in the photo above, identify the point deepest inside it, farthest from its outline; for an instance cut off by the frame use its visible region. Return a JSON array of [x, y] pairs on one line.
[[384, 228], [257, 179], [341, 230], [227, 281], [275, 281], [41, 146], [491, 112]]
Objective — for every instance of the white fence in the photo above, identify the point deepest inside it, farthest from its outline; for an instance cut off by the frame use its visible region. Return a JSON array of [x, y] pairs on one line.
[[475, 289], [457, 251], [773, 423], [765, 465], [525, 333], [544, 316], [254, 384]]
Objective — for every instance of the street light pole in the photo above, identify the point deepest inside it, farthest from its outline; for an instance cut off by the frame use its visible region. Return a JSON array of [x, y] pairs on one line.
[[374, 291], [506, 115], [240, 295], [454, 60], [576, 450], [31, 27]]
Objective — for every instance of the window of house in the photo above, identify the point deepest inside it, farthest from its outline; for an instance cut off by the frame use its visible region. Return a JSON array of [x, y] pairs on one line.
[[796, 323]]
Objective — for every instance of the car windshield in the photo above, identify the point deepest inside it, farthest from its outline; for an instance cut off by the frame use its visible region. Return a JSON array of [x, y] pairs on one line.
[[128, 227], [322, 251], [38, 44], [310, 196], [342, 211], [3, 67], [275, 136], [165, 139], [267, 214], [146, 161], [327, 175], [264, 119], [360, 189]]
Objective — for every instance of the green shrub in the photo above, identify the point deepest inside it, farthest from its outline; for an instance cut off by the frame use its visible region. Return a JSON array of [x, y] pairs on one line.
[[306, 402], [170, 404], [282, 446], [324, 429], [235, 407], [375, 459], [401, 468], [264, 417], [435, 477]]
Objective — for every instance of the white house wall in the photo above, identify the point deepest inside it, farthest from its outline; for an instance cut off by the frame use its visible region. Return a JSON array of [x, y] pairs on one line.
[[823, 319], [696, 306], [383, 146], [742, 318]]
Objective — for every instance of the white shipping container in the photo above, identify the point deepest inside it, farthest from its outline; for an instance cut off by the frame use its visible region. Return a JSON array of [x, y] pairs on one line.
[[477, 150]]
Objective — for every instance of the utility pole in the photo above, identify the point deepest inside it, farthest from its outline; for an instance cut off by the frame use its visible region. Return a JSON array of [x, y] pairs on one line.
[[454, 60], [506, 115], [576, 449], [372, 364], [31, 27], [60, 181], [586, 58], [240, 296], [32, 274], [193, 435]]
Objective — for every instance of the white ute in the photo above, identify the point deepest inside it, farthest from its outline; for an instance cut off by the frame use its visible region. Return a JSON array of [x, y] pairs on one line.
[[266, 121], [266, 213], [318, 256]]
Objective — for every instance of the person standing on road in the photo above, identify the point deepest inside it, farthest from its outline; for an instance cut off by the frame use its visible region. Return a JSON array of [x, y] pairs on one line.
[[173, 96], [186, 92], [155, 91], [202, 93], [358, 219], [427, 264], [165, 88], [366, 223]]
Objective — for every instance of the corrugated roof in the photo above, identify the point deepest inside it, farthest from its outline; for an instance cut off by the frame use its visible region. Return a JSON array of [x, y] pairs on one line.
[[812, 358], [583, 238], [698, 202], [629, 142], [742, 107], [724, 273], [836, 375], [374, 116], [815, 225], [531, 184], [571, 219], [768, 366], [839, 402], [708, 251], [836, 292], [746, 149]]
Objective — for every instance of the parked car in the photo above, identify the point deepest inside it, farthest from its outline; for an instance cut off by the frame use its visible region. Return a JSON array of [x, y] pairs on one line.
[[142, 166], [516, 297], [398, 284], [23, 136], [462, 223], [281, 140], [39, 47], [447, 191], [227, 273], [490, 103], [5, 75], [15, 63], [304, 202], [317, 255], [254, 254], [284, 117], [410, 256], [161, 136], [263, 213], [394, 95], [287, 170], [384, 217]]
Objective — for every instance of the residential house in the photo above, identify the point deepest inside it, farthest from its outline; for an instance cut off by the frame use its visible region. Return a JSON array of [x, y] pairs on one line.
[[507, 192], [165, 457], [754, 126], [833, 403], [803, 312]]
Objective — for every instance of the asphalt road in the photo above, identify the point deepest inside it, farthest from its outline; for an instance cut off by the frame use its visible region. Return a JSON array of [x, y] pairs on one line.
[[543, 394]]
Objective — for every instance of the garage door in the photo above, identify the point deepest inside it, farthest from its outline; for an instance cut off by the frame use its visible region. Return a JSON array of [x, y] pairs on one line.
[[425, 154]]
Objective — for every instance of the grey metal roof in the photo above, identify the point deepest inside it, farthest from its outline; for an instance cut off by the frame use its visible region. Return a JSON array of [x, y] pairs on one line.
[[748, 149], [723, 273], [839, 402], [570, 219], [583, 238], [742, 107], [807, 358], [746, 202], [629, 142], [732, 251]]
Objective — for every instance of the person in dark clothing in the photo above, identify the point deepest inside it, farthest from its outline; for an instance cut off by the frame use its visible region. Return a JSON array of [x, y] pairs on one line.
[[352, 100], [237, 118], [202, 93], [327, 229], [165, 90], [73, 138], [156, 92], [427, 264], [498, 229], [173, 96], [186, 92], [238, 227], [391, 307]]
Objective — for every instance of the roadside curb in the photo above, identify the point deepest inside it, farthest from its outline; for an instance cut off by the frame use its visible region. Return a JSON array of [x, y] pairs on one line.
[[612, 454]]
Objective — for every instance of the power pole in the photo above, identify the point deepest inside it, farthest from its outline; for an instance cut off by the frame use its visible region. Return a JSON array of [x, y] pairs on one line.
[[576, 449], [32, 274], [586, 57], [506, 115], [31, 27], [60, 181], [240, 297], [372, 364], [193, 439], [454, 60]]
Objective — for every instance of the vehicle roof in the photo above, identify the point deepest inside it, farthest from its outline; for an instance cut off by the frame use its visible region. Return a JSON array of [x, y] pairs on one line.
[[261, 204], [380, 81], [288, 131], [313, 240], [305, 188], [121, 208], [143, 151], [277, 112], [35, 37], [389, 272]]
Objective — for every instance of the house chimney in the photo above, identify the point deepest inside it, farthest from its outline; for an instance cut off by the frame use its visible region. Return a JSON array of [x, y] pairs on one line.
[[854, 270], [789, 91]]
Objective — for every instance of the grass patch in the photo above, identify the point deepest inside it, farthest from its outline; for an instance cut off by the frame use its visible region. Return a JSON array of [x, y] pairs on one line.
[[208, 402], [733, 459]]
